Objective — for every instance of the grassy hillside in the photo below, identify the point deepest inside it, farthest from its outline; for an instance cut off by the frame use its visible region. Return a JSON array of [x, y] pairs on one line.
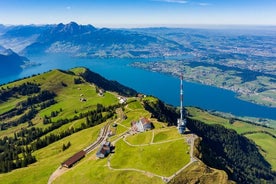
[[41, 114], [264, 137], [50, 158], [68, 118]]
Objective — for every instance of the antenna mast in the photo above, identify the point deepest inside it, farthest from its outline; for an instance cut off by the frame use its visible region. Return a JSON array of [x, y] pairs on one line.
[[181, 122], [181, 97]]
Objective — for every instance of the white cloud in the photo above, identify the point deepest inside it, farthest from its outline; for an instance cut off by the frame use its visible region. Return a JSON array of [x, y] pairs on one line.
[[204, 4], [174, 1]]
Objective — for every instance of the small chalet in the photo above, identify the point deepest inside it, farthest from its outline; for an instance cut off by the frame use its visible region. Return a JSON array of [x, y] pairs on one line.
[[74, 159], [122, 100], [142, 125], [104, 150], [101, 92]]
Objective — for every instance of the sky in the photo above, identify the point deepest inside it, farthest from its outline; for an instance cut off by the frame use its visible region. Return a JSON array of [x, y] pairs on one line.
[[139, 13]]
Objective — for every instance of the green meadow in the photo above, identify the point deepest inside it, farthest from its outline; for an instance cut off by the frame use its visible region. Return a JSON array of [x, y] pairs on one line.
[[137, 157], [163, 158], [50, 158]]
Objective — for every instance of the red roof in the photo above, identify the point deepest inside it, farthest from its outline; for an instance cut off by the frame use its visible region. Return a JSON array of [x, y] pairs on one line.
[[73, 159], [144, 120]]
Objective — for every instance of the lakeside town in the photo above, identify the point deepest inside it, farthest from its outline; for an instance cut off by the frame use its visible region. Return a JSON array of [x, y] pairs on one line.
[[252, 87]]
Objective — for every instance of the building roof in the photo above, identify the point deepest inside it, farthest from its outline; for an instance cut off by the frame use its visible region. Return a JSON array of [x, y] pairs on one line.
[[104, 150], [145, 120], [142, 125], [73, 159]]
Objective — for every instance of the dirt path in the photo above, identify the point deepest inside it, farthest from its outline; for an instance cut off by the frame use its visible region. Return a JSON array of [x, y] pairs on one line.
[[103, 135], [132, 169], [190, 139], [148, 144], [56, 174]]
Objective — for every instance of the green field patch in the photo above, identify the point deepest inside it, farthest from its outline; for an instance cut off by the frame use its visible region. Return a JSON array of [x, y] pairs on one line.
[[140, 138], [166, 134], [135, 105], [120, 129], [239, 126], [10, 131], [78, 71], [204, 116], [10, 104], [268, 144], [163, 159]]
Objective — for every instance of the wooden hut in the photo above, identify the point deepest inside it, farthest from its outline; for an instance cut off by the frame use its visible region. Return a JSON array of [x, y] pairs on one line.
[[74, 159]]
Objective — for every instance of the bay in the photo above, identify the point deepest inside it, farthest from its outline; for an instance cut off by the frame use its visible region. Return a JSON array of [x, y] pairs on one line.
[[163, 86]]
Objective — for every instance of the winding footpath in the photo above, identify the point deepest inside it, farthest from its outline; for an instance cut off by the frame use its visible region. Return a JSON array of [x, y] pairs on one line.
[[190, 141], [103, 136]]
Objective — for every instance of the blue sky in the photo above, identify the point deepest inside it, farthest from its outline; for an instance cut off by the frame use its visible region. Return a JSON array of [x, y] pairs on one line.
[[139, 13]]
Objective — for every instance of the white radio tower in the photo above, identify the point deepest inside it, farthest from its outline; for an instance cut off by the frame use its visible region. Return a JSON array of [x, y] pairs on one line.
[[181, 123]]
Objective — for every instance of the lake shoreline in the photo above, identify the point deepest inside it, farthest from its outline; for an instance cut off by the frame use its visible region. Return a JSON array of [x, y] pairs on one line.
[[163, 86]]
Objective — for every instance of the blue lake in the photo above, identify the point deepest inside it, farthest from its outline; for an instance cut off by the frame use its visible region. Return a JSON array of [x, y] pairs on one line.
[[160, 85]]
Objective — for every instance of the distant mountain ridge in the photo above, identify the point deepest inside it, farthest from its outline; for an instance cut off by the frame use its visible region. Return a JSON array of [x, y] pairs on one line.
[[88, 41], [10, 62]]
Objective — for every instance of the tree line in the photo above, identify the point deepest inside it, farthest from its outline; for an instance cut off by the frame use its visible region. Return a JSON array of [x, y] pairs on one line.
[[227, 150], [161, 111], [29, 139], [107, 85], [24, 89], [28, 109], [13, 156]]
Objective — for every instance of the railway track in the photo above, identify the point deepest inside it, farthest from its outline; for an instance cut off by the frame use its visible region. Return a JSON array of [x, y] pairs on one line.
[[101, 138]]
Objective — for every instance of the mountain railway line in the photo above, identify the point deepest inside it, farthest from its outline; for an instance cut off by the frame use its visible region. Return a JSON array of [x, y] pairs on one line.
[[61, 169], [102, 137]]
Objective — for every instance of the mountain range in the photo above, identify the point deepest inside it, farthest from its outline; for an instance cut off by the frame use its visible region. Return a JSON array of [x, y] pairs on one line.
[[88, 41]]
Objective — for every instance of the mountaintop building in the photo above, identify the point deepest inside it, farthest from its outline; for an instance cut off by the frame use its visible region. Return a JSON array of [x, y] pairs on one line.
[[143, 124]]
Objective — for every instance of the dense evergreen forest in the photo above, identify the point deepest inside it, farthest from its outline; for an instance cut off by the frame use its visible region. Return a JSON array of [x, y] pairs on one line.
[[227, 150]]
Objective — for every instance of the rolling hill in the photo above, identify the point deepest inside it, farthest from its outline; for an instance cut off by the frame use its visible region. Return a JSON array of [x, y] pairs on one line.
[[47, 118]]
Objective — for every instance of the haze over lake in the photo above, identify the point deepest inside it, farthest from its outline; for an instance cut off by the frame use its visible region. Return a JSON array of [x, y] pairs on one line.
[[160, 85]]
